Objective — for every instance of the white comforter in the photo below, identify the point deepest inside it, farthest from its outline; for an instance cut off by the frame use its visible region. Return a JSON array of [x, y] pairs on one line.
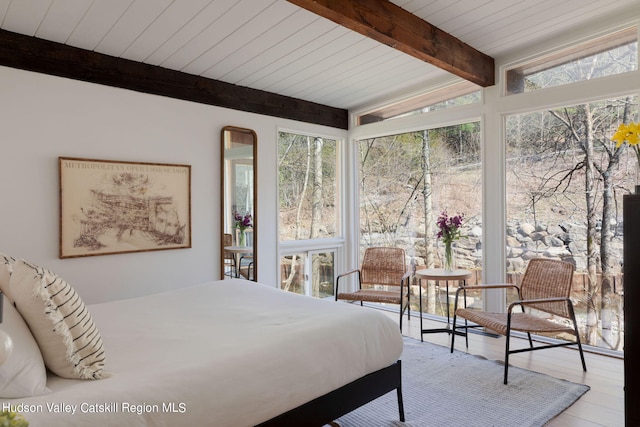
[[226, 353]]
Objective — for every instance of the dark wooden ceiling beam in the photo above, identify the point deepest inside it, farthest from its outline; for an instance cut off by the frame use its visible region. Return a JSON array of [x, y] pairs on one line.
[[33, 54], [387, 23]]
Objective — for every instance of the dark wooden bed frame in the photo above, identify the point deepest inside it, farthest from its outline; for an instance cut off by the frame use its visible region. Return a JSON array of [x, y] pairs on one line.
[[324, 409]]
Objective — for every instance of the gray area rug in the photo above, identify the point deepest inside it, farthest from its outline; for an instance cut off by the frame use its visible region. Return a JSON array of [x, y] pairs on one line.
[[444, 389]]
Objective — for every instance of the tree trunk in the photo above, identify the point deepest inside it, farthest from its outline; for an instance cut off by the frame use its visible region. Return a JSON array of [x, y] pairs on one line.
[[304, 191], [608, 302], [287, 282], [316, 209], [592, 245], [606, 236], [428, 219], [317, 191]]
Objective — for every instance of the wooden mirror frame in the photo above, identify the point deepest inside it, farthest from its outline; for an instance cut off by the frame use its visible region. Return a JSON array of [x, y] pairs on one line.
[[238, 135]]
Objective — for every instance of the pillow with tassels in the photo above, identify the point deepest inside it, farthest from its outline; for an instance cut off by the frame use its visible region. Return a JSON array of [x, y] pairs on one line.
[[60, 322]]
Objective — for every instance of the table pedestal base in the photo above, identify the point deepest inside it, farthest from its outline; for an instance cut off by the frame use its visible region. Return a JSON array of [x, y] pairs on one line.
[[439, 274]]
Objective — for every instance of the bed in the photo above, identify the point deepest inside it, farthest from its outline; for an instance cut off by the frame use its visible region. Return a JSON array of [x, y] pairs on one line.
[[226, 353]]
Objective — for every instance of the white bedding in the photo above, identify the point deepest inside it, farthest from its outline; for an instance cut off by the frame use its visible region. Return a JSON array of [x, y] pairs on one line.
[[225, 353]]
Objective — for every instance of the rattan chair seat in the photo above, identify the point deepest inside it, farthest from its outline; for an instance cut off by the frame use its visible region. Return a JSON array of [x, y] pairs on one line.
[[372, 295], [523, 322]]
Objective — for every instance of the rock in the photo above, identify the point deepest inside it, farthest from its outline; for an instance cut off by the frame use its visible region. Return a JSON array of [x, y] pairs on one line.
[[515, 264], [516, 252], [556, 252], [512, 231], [538, 235], [512, 242], [578, 247], [555, 230], [525, 229], [553, 241], [476, 231]]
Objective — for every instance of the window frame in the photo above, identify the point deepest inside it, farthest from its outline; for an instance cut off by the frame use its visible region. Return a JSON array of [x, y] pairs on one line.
[[565, 55]]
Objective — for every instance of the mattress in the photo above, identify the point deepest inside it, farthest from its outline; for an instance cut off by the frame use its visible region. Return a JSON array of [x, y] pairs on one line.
[[224, 353]]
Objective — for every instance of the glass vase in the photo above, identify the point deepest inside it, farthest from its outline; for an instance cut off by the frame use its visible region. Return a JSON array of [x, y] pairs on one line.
[[449, 264], [242, 238]]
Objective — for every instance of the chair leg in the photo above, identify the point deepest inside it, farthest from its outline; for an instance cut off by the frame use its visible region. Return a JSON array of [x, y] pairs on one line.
[[402, 306], [466, 322], [455, 316], [466, 332], [584, 365], [420, 304], [506, 351], [408, 300], [577, 332], [506, 360], [453, 332]]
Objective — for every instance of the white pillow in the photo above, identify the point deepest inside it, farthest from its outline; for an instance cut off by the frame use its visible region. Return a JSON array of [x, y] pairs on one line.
[[23, 374], [69, 340]]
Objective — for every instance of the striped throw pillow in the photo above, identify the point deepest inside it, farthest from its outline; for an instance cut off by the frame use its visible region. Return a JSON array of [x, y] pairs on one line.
[[60, 322]]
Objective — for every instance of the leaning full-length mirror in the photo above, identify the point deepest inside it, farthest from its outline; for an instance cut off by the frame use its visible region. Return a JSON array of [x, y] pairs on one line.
[[238, 192]]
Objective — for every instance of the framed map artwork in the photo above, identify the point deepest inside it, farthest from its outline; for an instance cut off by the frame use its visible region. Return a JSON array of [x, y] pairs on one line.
[[111, 207]]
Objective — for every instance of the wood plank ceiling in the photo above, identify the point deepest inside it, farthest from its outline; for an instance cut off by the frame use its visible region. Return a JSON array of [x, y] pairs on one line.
[[274, 48], [416, 37]]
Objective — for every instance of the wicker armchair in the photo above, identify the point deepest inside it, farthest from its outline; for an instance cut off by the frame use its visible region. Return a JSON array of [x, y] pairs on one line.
[[229, 257], [381, 267], [246, 268], [545, 287]]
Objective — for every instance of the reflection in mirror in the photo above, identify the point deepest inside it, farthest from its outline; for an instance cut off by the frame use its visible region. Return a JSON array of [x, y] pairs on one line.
[[238, 193]]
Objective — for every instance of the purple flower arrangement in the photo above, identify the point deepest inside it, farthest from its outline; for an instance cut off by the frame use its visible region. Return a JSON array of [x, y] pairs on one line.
[[242, 222], [449, 227]]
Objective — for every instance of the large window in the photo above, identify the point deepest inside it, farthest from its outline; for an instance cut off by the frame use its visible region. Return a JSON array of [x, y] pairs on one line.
[[605, 56], [565, 182], [450, 96], [565, 179], [307, 187], [550, 170], [406, 182], [309, 213]]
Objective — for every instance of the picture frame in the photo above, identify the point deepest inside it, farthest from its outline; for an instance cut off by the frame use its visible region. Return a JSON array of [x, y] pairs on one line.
[[114, 207]]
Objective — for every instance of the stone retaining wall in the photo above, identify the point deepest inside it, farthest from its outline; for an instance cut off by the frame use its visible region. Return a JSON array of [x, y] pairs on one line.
[[566, 241]]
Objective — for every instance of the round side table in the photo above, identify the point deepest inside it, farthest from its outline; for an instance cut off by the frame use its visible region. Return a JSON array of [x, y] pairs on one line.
[[438, 275]]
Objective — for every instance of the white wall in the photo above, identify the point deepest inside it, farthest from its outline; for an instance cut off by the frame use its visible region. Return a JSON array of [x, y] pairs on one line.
[[44, 117]]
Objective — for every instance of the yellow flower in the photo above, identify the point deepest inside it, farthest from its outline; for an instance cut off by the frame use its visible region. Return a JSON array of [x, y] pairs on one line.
[[627, 132]]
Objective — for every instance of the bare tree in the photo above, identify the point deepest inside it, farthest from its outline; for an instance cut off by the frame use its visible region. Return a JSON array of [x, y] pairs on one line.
[[585, 130], [316, 205], [286, 284], [599, 163], [427, 202]]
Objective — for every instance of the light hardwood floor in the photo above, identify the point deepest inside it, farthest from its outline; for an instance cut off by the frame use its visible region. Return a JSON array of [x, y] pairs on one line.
[[603, 405]]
